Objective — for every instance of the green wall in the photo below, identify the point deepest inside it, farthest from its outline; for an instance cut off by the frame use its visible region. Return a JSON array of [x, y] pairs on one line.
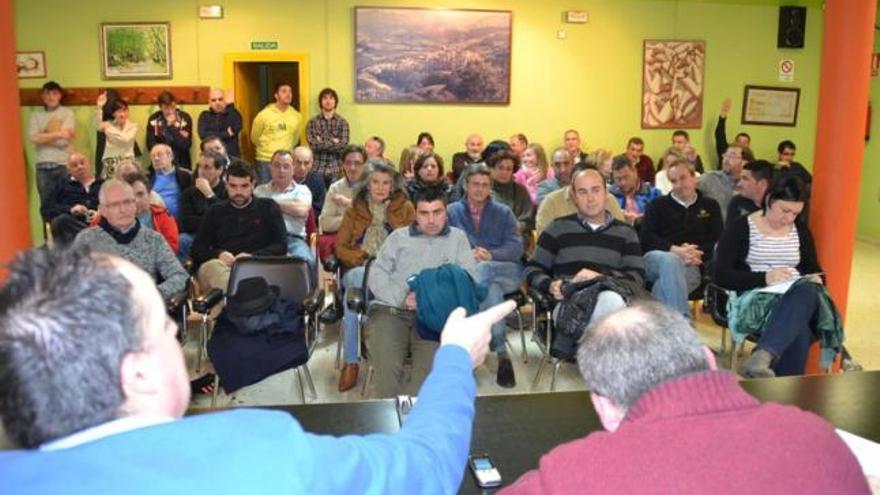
[[590, 81], [869, 197]]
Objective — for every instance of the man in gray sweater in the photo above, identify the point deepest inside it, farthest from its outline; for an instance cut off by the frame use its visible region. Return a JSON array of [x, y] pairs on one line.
[[391, 318], [121, 234]]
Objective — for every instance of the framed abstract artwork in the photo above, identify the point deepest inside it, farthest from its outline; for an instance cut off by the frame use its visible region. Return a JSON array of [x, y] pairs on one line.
[[672, 84], [432, 55], [136, 50]]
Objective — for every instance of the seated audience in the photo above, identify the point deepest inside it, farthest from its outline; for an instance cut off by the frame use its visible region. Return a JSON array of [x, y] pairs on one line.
[[208, 189], [295, 201], [560, 202], [221, 120], [425, 142], [119, 135], [518, 143], [742, 140], [303, 174], [765, 248], [533, 171], [95, 388], [572, 142], [587, 244], [374, 146], [754, 181], [406, 165], [679, 232], [497, 248], [507, 192], [670, 156], [152, 216], [720, 184], [676, 424], [215, 144], [239, 226], [391, 329], [603, 160], [327, 134], [786, 166], [72, 202], [681, 141], [167, 178], [635, 156], [379, 207], [429, 174], [171, 126], [473, 149], [562, 166], [341, 192], [120, 233], [632, 193]]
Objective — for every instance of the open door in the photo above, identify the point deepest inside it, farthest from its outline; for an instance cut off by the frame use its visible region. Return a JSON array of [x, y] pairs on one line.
[[251, 77]]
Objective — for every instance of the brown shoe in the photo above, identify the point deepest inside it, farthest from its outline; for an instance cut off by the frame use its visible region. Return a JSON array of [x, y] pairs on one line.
[[348, 377]]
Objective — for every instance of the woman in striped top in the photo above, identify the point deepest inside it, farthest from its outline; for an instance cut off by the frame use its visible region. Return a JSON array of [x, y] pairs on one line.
[[767, 248]]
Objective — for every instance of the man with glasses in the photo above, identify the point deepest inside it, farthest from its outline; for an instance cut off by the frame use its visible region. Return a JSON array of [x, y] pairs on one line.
[[720, 185], [295, 201], [120, 233], [221, 119], [240, 226]]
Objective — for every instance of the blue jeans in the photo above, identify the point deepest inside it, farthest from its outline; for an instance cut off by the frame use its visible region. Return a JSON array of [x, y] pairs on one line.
[[49, 174], [672, 279], [789, 332], [299, 248], [186, 242], [350, 351], [263, 173], [500, 278]]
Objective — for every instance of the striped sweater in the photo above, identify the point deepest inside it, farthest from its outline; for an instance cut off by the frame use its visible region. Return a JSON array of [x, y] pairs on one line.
[[567, 245]]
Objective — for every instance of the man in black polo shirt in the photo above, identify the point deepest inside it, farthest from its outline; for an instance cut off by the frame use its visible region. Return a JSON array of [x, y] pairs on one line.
[[73, 201], [241, 226], [679, 232]]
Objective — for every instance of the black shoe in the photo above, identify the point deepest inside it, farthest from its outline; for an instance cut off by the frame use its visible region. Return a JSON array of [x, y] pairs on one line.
[[505, 378], [331, 314]]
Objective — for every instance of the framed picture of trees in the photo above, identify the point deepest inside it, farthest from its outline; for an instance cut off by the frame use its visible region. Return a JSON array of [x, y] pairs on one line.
[[136, 50]]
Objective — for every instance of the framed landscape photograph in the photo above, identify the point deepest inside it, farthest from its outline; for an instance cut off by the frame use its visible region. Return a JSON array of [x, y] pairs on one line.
[[432, 55], [30, 65], [767, 105], [136, 50], [672, 84]]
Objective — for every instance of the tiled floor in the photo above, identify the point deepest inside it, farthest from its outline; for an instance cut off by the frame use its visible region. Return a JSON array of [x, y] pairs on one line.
[[283, 388]]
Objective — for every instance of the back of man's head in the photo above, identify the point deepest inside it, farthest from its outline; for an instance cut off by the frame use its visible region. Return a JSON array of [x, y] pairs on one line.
[[631, 351], [66, 321]]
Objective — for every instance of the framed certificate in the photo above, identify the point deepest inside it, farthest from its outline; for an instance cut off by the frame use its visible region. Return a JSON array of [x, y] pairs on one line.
[[766, 105]]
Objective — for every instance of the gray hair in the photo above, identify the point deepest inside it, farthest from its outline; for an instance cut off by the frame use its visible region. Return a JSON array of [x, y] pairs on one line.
[[383, 166], [111, 184], [631, 351]]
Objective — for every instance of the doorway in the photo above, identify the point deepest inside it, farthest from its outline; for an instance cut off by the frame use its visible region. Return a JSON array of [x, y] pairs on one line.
[[251, 77]]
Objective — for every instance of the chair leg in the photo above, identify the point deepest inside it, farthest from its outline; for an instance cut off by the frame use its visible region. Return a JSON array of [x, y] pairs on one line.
[[367, 381], [302, 388], [339, 348], [215, 391], [309, 382], [203, 342], [522, 336], [537, 379], [556, 364]]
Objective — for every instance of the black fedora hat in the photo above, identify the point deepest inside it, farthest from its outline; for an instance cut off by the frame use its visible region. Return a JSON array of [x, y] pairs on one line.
[[253, 295]]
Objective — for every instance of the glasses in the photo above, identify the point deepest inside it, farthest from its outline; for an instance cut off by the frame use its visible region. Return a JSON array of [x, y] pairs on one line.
[[116, 205]]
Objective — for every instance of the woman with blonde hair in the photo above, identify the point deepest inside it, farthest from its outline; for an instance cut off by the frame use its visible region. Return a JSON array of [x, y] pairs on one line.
[[407, 162], [534, 170]]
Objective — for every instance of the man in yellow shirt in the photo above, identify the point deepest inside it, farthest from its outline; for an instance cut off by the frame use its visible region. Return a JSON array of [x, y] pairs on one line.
[[275, 128]]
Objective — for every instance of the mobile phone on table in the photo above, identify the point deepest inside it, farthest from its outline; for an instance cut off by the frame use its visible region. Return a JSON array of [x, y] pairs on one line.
[[484, 471]]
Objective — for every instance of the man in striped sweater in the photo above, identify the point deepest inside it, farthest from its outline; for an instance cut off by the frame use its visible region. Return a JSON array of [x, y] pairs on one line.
[[586, 245]]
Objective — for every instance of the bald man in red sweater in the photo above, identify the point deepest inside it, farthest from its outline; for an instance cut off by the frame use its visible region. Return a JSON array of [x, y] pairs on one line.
[[675, 424]]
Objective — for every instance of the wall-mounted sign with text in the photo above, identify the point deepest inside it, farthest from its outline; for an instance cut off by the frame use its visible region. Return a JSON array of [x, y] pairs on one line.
[[264, 45]]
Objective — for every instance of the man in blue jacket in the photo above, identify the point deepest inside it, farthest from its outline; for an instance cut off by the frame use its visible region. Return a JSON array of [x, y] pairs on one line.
[[497, 246], [95, 387]]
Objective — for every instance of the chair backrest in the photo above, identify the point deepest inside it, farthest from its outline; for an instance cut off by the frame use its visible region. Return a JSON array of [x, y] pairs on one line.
[[292, 276]]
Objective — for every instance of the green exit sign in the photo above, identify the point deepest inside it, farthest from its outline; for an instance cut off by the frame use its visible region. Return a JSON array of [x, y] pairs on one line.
[[264, 45]]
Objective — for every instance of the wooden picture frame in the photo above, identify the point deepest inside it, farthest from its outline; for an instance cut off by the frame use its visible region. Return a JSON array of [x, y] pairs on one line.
[[136, 50], [30, 64], [770, 105], [672, 84], [462, 55]]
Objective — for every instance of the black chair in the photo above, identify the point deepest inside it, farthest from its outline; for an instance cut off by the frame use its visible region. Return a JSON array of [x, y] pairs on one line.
[[544, 305], [296, 282]]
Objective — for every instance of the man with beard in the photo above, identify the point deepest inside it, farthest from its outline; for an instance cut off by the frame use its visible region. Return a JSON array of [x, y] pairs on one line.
[[241, 226]]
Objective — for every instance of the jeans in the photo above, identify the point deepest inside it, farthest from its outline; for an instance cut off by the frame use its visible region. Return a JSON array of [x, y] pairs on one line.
[[788, 333], [500, 278], [263, 173], [186, 242], [299, 248], [350, 351], [672, 279], [48, 174]]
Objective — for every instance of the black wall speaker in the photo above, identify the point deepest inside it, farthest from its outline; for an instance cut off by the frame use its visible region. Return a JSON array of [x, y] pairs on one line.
[[792, 27]]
